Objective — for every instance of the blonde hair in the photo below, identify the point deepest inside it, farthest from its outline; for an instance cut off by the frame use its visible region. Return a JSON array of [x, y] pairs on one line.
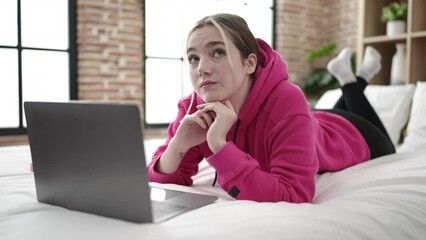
[[232, 28]]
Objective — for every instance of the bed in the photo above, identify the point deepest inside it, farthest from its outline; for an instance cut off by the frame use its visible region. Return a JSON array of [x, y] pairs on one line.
[[384, 198]]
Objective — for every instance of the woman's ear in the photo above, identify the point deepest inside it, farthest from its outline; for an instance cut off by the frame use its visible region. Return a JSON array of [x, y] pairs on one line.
[[251, 63]]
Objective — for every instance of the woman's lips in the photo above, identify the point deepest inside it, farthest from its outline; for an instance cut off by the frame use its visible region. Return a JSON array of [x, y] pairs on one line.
[[206, 83]]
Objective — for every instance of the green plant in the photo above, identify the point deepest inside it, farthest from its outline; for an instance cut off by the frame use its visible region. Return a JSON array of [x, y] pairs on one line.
[[394, 11], [320, 80], [321, 52]]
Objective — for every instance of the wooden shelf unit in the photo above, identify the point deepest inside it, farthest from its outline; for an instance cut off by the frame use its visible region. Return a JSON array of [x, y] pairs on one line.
[[372, 32]]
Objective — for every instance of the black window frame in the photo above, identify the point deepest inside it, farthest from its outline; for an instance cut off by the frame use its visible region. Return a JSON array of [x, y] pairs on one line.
[[72, 54]]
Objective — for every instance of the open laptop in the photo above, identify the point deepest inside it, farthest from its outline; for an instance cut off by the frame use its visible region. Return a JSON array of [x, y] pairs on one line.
[[90, 157]]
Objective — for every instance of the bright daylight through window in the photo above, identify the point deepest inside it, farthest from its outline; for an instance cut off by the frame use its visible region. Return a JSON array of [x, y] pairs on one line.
[[34, 57]]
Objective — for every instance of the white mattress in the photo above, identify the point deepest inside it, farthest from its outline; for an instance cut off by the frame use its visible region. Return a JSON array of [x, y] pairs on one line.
[[384, 198]]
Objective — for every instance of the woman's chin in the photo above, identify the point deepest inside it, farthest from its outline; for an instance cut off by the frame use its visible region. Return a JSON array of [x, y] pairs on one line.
[[209, 98]]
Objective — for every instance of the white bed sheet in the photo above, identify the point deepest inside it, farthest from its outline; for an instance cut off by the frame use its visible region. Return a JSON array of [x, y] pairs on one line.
[[384, 198]]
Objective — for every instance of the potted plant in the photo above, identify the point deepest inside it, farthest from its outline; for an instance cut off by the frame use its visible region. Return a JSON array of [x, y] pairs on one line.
[[395, 17]]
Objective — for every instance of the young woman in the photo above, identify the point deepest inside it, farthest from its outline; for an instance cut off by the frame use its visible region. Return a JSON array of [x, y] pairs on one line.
[[254, 127]]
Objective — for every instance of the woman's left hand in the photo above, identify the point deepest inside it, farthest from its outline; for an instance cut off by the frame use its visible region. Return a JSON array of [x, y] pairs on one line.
[[224, 117]]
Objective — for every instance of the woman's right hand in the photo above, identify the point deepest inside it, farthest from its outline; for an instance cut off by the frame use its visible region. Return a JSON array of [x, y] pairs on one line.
[[193, 129], [191, 132]]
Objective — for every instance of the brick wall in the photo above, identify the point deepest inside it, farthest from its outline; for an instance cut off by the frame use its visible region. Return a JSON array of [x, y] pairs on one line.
[[110, 50], [305, 25]]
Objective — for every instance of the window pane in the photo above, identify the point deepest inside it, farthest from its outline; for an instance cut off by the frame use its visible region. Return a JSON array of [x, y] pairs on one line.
[[262, 25], [259, 3], [164, 25], [186, 82], [164, 89], [45, 76], [258, 16], [9, 93], [8, 23], [45, 24]]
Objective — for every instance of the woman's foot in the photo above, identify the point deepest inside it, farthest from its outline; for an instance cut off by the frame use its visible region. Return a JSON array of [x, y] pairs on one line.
[[371, 64], [340, 67]]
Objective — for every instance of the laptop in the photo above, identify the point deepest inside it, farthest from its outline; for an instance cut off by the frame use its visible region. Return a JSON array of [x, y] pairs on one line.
[[90, 157]]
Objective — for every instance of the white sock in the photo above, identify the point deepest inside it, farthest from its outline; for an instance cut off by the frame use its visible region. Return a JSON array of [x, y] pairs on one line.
[[371, 64], [340, 67]]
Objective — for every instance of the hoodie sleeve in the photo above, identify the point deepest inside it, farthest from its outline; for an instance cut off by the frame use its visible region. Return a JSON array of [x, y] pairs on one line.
[[189, 164], [292, 165], [182, 176]]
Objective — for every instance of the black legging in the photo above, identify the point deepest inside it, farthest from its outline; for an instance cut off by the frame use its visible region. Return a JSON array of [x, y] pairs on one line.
[[355, 107]]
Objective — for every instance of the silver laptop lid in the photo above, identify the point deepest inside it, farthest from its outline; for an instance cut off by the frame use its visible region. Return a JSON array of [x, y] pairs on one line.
[[90, 157]]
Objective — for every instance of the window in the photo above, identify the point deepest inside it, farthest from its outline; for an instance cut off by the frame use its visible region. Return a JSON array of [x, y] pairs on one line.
[[37, 57], [167, 23]]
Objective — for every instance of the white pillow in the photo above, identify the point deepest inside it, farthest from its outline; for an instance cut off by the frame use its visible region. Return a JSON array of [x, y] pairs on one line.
[[416, 129], [328, 99], [391, 103]]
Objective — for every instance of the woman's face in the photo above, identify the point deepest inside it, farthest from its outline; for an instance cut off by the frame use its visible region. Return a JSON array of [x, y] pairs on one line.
[[211, 74]]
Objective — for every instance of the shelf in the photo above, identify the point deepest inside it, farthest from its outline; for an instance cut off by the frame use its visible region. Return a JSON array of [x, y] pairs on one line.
[[373, 33], [418, 34], [418, 18], [417, 60], [384, 38]]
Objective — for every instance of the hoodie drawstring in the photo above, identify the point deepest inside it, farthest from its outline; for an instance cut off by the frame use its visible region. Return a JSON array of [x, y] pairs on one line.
[[233, 140]]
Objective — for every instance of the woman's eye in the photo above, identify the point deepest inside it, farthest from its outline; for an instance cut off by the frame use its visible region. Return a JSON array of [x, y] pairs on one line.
[[219, 53], [193, 58]]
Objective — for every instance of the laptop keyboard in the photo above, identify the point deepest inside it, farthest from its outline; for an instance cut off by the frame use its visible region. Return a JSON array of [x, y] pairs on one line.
[[161, 209]]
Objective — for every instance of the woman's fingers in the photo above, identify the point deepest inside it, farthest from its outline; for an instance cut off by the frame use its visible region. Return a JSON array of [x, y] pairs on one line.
[[216, 106], [203, 119], [229, 105], [208, 117], [224, 110]]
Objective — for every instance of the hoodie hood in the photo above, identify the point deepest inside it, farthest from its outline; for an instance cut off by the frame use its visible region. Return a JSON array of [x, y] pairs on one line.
[[270, 71]]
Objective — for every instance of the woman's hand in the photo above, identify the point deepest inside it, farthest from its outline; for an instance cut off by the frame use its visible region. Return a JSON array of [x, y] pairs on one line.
[[220, 117], [192, 131], [211, 122]]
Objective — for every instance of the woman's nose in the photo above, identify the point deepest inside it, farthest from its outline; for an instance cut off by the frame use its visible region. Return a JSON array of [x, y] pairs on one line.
[[204, 67]]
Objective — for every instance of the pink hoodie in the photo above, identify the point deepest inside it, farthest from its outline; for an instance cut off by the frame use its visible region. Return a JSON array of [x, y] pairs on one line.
[[277, 145]]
